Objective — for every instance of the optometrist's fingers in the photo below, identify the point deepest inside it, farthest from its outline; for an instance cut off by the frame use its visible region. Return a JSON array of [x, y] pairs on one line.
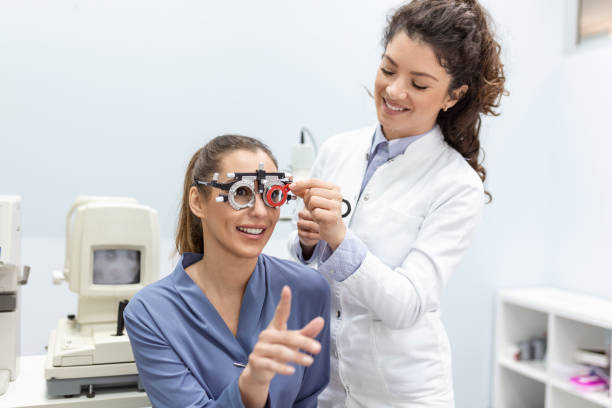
[[283, 310], [323, 209], [299, 187], [293, 339], [308, 230], [307, 226], [304, 214], [308, 240], [282, 354], [331, 194]]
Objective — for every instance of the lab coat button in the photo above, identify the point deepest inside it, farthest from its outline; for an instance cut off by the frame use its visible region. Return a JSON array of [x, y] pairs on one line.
[[366, 197], [338, 314]]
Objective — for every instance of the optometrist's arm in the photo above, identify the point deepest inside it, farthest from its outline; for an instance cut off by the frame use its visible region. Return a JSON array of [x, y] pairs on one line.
[[400, 296], [166, 379]]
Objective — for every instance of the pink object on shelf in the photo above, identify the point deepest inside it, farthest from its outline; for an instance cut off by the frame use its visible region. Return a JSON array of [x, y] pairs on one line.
[[589, 383]]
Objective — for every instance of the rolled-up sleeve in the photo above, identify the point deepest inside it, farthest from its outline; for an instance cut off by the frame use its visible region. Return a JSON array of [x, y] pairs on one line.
[[345, 260], [295, 249]]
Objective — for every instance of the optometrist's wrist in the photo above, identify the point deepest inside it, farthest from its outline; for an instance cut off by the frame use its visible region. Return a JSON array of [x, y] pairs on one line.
[[337, 237]]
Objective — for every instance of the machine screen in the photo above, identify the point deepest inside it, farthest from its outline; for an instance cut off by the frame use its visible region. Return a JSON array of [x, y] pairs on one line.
[[116, 267]]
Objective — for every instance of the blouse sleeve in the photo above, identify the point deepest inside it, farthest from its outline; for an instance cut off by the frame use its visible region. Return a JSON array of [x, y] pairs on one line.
[[165, 377], [316, 377]]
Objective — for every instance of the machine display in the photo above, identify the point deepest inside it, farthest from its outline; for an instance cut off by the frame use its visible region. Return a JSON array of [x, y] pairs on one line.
[[10, 281], [112, 251]]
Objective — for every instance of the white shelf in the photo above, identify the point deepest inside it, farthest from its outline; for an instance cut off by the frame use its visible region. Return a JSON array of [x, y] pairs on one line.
[[601, 398], [569, 321], [536, 370]]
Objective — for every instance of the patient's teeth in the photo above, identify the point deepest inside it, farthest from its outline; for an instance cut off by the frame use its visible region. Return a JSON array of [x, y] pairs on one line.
[[253, 231]]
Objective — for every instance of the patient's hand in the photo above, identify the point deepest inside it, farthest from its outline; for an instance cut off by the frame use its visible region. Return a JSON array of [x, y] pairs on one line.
[[276, 347]]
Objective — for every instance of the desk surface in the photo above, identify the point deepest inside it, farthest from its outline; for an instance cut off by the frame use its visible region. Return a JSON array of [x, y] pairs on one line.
[[30, 391]]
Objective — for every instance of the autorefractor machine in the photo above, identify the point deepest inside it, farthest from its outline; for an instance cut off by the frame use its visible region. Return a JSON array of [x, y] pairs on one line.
[[112, 251], [10, 280]]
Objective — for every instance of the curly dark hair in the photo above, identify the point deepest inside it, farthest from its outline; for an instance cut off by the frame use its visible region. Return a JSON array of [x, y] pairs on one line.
[[459, 32]]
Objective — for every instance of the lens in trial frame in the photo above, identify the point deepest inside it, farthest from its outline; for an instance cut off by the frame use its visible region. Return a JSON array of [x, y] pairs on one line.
[[243, 195], [276, 196]]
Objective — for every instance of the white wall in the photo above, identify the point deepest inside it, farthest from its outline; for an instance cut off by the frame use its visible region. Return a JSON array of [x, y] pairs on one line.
[[584, 194], [112, 98], [550, 221]]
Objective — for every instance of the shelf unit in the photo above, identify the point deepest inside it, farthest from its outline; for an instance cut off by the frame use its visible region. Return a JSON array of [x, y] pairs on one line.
[[569, 321]]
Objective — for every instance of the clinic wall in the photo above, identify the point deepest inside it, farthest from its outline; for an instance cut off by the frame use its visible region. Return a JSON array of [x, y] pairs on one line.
[[113, 97], [516, 244], [548, 158], [584, 195]]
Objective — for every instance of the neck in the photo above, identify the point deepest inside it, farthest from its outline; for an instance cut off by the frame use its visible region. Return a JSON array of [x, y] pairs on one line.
[[224, 276], [392, 134]]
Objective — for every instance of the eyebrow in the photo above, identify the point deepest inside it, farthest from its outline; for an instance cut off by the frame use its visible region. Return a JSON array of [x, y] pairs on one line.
[[417, 73]]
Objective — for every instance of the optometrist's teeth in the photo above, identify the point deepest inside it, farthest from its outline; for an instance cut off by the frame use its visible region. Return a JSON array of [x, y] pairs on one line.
[[253, 231], [393, 108]]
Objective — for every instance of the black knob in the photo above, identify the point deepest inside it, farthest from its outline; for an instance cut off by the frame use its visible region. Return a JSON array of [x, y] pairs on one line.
[[71, 317], [120, 322]]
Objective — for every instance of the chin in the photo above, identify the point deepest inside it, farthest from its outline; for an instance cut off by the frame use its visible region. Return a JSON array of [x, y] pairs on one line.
[[250, 251]]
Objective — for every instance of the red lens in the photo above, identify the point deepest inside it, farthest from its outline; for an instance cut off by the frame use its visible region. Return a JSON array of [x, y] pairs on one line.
[[272, 196]]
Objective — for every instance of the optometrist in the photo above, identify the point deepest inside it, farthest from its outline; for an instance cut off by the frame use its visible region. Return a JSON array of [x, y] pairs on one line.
[[415, 185]]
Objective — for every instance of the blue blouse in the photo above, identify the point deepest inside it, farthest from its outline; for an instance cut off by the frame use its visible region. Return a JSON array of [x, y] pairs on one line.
[[187, 356]]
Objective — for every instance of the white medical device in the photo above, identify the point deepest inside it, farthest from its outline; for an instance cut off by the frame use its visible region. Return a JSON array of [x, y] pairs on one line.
[[112, 251], [302, 157], [10, 280]]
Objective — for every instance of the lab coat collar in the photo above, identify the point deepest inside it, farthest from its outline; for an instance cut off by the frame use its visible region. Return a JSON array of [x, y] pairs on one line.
[[250, 310], [426, 142], [415, 154]]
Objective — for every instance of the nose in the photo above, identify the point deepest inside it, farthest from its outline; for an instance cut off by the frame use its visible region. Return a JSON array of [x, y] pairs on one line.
[[396, 89], [259, 209]]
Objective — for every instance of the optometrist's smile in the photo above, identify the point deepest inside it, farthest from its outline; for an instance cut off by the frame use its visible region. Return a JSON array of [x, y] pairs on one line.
[[393, 108]]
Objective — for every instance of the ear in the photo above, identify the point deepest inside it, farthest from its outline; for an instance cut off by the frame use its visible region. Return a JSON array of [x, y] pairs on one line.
[[197, 203], [454, 97]]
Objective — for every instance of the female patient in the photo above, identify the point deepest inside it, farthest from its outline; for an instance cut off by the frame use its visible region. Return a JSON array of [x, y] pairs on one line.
[[211, 334]]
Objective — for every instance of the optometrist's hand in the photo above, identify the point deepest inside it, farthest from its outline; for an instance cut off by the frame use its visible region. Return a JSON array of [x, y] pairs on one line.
[[275, 349], [324, 202], [308, 232]]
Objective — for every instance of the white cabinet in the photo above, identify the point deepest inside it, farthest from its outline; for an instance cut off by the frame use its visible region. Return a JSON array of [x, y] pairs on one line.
[[570, 322]]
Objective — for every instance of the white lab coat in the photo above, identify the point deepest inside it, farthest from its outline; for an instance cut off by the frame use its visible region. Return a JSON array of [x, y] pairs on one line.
[[416, 215]]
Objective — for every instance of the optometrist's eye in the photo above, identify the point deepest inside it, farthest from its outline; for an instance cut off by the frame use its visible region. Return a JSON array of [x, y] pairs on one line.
[[276, 196], [419, 87], [243, 195]]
